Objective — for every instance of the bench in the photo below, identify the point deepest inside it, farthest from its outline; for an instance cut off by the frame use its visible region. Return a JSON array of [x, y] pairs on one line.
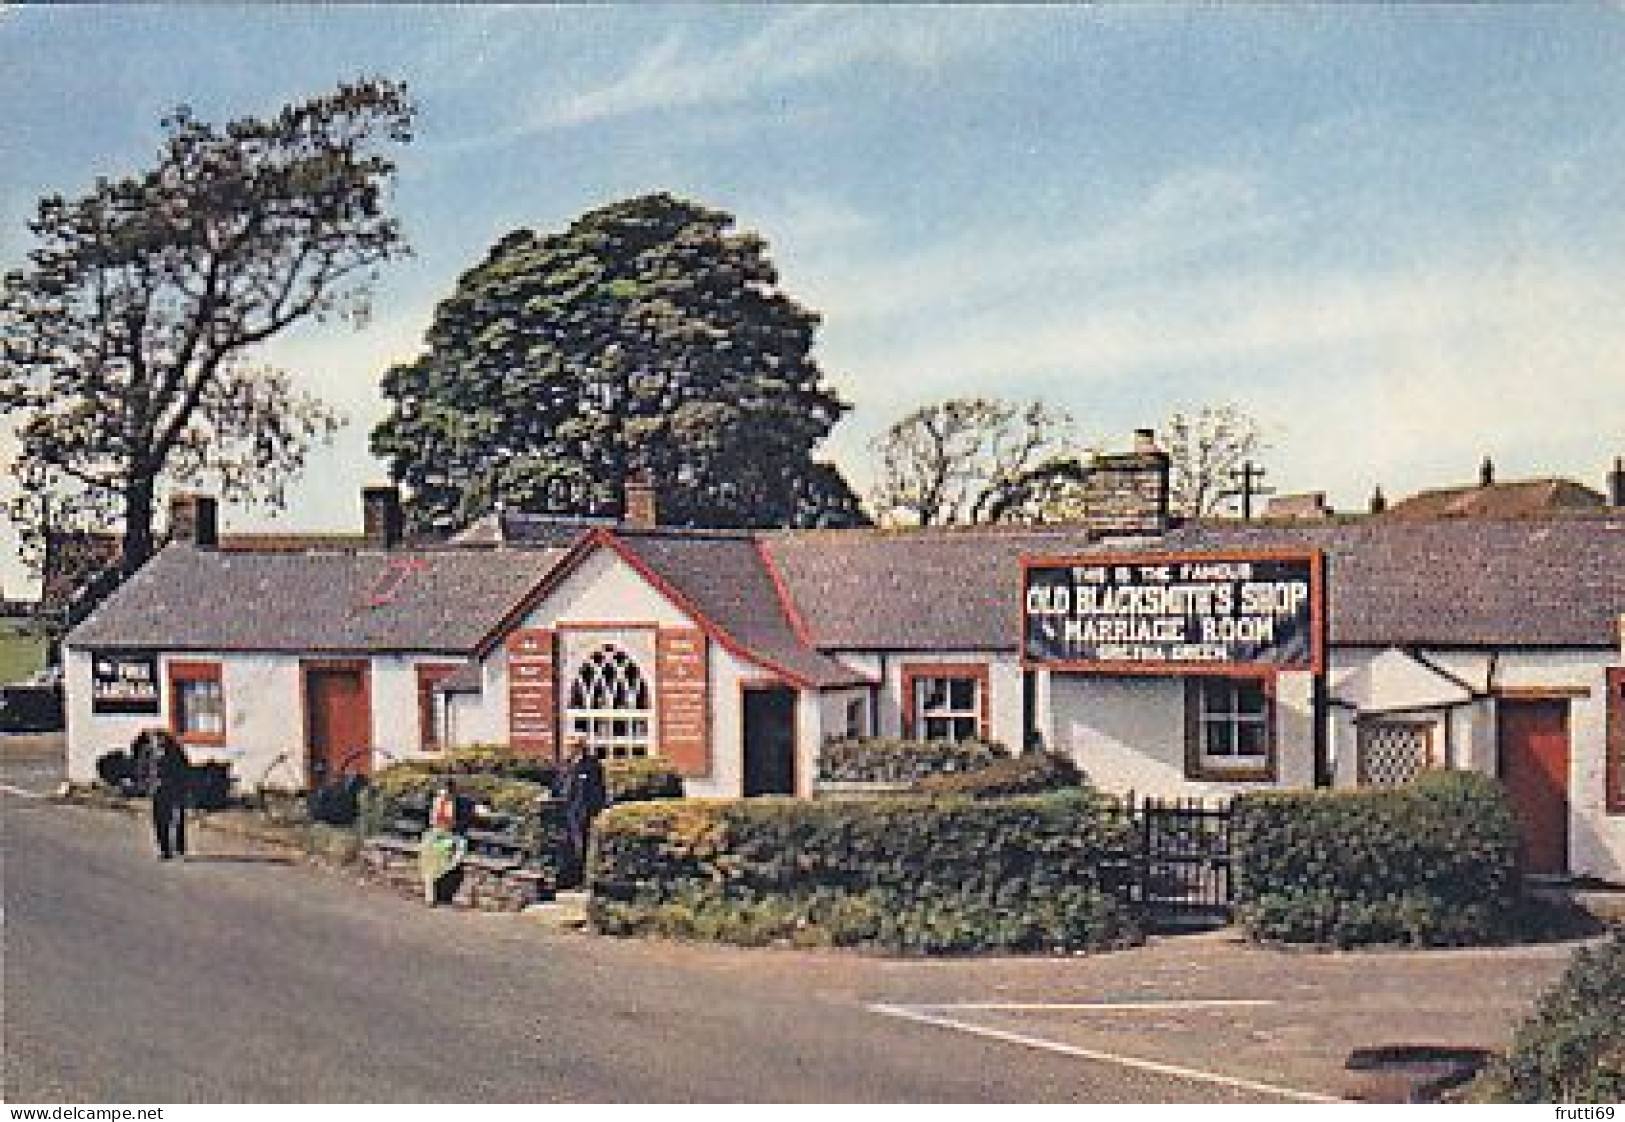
[[501, 870]]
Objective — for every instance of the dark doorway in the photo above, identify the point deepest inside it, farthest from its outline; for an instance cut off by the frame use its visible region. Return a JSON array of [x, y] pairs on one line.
[[338, 720], [770, 741], [1533, 744]]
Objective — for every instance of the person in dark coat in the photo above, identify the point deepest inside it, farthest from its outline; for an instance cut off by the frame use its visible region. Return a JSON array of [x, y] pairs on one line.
[[585, 792], [172, 781]]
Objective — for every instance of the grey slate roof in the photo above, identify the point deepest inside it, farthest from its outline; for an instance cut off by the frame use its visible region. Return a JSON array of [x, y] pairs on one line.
[[442, 600], [1538, 582], [724, 576], [1546, 582], [944, 588]]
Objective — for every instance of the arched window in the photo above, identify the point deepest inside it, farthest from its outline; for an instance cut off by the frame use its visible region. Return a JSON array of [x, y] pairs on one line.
[[609, 704]]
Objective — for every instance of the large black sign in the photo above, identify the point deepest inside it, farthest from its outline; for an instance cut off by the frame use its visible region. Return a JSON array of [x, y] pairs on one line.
[[124, 682], [1174, 613]]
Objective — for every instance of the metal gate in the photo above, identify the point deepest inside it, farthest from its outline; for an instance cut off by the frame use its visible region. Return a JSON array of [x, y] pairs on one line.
[[1183, 866]]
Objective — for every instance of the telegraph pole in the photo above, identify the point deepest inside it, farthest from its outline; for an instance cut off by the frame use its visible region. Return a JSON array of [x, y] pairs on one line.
[[1249, 476]]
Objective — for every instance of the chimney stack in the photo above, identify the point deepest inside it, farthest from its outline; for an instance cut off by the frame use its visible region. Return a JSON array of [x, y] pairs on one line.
[[194, 519], [1145, 442], [642, 507], [1379, 501], [381, 518], [1616, 483], [1486, 473]]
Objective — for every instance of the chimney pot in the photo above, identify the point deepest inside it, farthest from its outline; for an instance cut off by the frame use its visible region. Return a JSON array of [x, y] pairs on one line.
[[642, 506], [381, 519], [194, 519], [1486, 473], [1616, 483], [1379, 501], [1145, 441]]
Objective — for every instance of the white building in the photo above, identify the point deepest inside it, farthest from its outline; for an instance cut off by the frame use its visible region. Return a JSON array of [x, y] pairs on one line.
[[1483, 644]]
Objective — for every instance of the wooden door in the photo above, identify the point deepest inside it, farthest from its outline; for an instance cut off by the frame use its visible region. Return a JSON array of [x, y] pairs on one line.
[[770, 741], [1534, 762], [338, 720]]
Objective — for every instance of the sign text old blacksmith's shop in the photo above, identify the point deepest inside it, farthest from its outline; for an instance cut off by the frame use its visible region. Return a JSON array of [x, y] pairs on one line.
[[1171, 613]]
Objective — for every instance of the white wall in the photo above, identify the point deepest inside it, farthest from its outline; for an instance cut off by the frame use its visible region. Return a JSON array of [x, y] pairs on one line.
[[1004, 687], [605, 599], [1596, 838], [1127, 732], [265, 726]]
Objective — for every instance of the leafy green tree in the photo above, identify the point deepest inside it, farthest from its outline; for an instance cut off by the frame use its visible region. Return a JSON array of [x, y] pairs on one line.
[[647, 338], [128, 338]]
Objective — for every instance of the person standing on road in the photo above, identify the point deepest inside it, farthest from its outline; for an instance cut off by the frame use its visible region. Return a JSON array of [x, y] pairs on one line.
[[585, 792], [172, 782]]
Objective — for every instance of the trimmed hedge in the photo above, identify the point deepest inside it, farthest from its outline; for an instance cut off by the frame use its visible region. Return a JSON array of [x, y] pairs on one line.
[[1572, 1049], [1432, 863], [881, 760], [399, 787], [1032, 774], [635, 781], [911, 874]]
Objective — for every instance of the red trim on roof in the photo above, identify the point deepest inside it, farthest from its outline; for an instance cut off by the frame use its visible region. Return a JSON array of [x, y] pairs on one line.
[[791, 612], [709, 626], [572, 560], [562, 568]]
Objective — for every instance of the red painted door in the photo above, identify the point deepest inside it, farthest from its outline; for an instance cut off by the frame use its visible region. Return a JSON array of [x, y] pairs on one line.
[[338, 723], [1534, 760]]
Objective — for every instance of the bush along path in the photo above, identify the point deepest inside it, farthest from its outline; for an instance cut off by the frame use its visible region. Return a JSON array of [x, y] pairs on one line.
[[1572, 1049], [1433, 863], [912, 875]]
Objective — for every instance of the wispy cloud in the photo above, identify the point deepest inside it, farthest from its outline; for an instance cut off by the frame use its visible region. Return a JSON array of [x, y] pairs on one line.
[[1401, 377], [805, 44], [1190, 215]]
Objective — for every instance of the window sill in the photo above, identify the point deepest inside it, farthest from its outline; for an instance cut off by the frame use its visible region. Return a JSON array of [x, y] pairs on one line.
[[1240, 773], [202, 739]]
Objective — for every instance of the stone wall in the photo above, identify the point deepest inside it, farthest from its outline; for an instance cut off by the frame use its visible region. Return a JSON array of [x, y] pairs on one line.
[[478, 885]]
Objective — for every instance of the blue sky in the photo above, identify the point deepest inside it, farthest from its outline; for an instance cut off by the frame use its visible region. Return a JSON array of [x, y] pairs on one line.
[[1396, 235]]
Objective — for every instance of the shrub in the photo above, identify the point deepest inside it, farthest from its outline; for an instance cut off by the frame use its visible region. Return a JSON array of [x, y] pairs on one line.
[[403, 787], [1032, 774], [116, 769], [1572, 1049], [631, 781], [493, 759], [1428, 864], [911, 874], [877, 760], [211, 785]]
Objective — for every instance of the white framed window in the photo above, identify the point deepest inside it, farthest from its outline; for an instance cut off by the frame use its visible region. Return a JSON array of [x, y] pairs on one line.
[[1230, 728], [198, 702], [945, 702], [609, 704]]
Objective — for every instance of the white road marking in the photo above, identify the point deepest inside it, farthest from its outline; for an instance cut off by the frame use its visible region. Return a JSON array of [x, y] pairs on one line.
[[922, 1015], [1096, 1006]]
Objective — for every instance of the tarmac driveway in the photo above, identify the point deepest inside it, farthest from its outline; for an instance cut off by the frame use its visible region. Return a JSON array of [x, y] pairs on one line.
[[1228, 1015], [1184, 1018]]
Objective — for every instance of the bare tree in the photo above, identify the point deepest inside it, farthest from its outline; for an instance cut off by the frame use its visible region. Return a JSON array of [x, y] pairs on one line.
[[1207, 450], [958, 461]]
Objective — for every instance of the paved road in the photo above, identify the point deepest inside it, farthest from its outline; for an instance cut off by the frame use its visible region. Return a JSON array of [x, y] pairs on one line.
[[236, 978], [224, 979]]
